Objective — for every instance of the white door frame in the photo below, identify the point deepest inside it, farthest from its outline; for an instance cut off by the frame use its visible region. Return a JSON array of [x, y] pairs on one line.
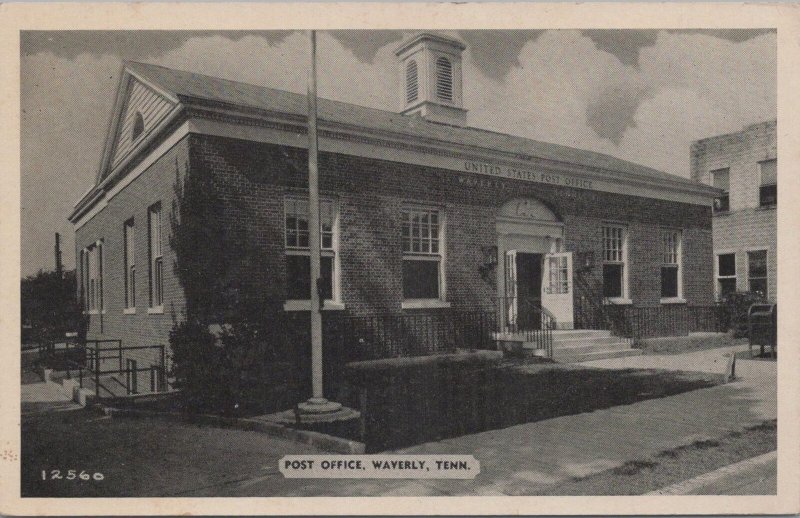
[[526, 225]]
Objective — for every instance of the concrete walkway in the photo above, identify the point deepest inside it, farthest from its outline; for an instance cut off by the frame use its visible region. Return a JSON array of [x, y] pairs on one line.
[[709, 360], [523, 459], [45, 397]]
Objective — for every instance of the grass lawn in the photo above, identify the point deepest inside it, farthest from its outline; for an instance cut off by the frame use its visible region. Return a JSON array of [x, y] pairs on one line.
[[687, 344], [668, 467], [426, 402], [141, 456]]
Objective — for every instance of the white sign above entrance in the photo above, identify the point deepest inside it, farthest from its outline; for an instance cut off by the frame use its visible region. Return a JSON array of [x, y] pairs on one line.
[[524, 174]]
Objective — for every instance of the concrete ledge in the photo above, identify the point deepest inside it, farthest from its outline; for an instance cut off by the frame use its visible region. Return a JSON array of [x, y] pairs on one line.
[[316, 439], [687, 487]]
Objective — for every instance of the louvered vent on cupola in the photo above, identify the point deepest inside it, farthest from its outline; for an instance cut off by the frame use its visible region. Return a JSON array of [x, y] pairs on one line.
[[412, 82], [431, 78]]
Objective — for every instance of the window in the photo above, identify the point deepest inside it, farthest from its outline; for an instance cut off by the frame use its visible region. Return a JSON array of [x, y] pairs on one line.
[[720, 178], [671, 265], [93, 256], [757, 272], [298, 253], [138, 126], [768, 191], [422, 253], [726, 274], [130, 264], [559, 275], [84, 272], [444, 79], [412, 82], [615, 256], [156, 258]]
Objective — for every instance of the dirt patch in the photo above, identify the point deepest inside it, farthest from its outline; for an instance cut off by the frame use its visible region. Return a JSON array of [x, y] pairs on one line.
[[675, 465]]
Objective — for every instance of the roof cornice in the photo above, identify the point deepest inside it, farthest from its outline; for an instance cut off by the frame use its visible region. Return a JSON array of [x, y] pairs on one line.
[[343, 131]]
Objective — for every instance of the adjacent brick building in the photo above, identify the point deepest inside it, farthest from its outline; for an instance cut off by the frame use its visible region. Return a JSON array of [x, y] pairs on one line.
[[744, 166], [420, 213]]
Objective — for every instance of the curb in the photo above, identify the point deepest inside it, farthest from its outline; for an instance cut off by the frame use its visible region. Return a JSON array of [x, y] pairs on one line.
[[319, 440], [687, 486]]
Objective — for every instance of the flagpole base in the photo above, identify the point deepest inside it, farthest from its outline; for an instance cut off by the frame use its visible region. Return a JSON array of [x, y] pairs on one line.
[[318, 405]]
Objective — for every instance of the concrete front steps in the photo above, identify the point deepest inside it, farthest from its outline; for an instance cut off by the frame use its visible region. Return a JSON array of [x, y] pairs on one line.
[[581, 345]]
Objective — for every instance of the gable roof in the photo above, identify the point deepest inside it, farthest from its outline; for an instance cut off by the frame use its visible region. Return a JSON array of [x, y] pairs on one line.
[[179, 90], [189, 86]]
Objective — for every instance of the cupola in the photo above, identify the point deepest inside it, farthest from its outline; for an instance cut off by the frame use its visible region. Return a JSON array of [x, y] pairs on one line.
[[430, 66]]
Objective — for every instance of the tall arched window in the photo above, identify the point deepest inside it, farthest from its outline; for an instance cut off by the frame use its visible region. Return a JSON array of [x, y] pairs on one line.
[[412, 82], [138, 126], [444, 79]]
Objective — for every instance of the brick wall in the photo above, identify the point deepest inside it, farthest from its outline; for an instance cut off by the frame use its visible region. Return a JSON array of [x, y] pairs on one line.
[[252, 178], [746, 226], [139, 329], [370, 193]]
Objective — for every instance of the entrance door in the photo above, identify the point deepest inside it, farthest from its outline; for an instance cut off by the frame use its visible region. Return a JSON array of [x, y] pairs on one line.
[[529, 290], [557, 295]]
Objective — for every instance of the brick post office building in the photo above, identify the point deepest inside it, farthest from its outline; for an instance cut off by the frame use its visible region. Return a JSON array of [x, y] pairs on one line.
[[420, 213], [744, 166]]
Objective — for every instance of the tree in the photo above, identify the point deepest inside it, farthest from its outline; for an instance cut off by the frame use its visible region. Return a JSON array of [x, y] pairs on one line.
[[50, 305]]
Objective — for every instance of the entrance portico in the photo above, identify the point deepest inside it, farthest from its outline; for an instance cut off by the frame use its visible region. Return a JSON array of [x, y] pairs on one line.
[[535, 276]]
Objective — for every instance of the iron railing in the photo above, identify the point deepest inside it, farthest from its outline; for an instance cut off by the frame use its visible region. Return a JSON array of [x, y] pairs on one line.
[[524, 319], [95, 357]]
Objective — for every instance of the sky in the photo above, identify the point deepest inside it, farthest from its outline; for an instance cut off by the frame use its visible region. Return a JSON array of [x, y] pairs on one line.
[[640, 95]]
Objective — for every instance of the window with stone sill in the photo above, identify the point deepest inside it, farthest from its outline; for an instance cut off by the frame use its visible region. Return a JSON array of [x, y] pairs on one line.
[[615, 258], [671, 265], [421, 234], [298, 251]]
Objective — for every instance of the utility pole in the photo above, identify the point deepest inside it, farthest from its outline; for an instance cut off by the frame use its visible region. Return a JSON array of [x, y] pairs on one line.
[[57, 252]]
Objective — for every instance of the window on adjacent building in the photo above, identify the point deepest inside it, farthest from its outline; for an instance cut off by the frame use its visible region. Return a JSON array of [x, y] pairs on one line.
[[422, 253], [757, 272], [671, 265], [156, 257], [614, 261], [130, 264], [720, 178], [444, 79], [726, 274], [768, 191], [93, 256], [298, 253], [412, 82]]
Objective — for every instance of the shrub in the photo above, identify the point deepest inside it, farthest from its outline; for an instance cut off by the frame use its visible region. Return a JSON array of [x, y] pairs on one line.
[[737, 305], [194, 365], [234, 371]]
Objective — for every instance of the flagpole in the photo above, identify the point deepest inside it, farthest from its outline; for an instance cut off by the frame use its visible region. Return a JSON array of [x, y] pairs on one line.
[[317, 403], [313, 224]]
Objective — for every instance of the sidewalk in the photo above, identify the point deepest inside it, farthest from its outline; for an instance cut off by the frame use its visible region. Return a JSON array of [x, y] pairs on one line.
[[44, 397], [521, 459]]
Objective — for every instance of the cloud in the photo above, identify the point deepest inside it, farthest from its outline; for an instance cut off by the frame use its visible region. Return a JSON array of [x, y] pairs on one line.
[[568, 87]]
